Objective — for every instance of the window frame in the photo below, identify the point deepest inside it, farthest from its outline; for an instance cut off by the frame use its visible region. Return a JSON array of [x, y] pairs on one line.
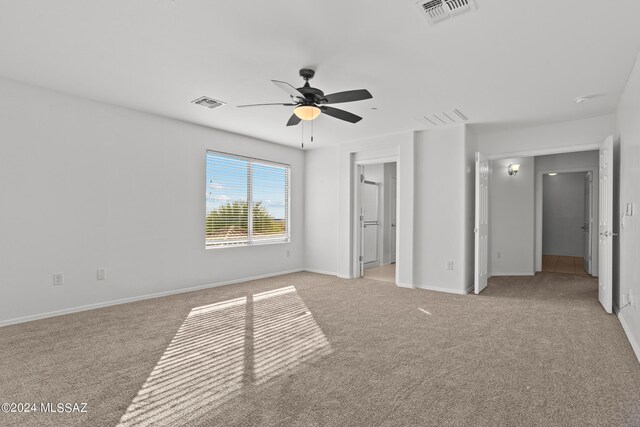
[[249, 240]]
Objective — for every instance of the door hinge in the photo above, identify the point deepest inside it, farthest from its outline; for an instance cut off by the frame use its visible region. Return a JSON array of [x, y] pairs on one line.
[[360, 258], [361, 217], [361, 177]]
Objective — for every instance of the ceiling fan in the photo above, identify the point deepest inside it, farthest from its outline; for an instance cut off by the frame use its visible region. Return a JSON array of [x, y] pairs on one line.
[[309, 102]]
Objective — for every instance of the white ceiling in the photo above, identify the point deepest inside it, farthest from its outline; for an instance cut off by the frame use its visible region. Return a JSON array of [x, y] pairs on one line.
[[507, 63]]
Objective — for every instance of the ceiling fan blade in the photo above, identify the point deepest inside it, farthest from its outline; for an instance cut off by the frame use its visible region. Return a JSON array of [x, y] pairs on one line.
[[293, 120], [292, 91], [259, 105], [348, 96], [341, 114]]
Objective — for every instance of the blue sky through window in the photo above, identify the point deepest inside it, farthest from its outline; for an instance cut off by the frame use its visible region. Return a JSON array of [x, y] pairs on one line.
[[269, 184], [227, 182]]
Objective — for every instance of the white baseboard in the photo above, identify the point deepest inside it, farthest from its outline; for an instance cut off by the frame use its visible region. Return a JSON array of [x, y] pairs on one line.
[[469, 290], [404, 285], [512, 273], [447, 290], [137, 298], [342, 276], [625, 327], [437, 289], [328, 273]]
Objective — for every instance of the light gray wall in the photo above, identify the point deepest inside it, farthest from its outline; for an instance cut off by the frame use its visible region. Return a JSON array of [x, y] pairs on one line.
[[568, 161], [86, 186], [563, 214], [511, 205], [440, 202], [374, 173], [627, 251], [321, 210], [558, 137]]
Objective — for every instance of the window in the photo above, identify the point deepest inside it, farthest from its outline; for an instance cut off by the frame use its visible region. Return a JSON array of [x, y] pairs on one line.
[[247, 201]]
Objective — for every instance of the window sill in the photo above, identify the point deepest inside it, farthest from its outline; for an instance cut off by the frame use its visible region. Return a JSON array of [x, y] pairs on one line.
[[247, 245]]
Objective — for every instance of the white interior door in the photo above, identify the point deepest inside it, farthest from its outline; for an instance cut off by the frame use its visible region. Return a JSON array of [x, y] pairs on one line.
[[392, 220], [587, 226], [605, 240], [481, 223]]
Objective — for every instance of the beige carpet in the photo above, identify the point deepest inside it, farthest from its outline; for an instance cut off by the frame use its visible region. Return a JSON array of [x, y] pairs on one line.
[[528, 351]]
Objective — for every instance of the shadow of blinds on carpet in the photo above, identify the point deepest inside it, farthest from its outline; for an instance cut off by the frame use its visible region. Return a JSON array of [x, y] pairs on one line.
[[222, 347]]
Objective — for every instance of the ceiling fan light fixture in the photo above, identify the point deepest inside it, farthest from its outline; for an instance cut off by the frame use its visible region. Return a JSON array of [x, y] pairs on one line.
[[306, 112]]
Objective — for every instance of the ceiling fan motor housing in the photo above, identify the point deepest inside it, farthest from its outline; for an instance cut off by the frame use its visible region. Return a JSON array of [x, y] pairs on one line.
[[312, 94], [307, 73]]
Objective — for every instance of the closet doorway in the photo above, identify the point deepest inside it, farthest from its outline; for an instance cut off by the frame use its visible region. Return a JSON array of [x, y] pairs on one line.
[[378, 221]]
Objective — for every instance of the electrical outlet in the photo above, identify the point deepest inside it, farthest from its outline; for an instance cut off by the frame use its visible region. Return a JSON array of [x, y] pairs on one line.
[[450, 265], [58, 279], [100, 274]]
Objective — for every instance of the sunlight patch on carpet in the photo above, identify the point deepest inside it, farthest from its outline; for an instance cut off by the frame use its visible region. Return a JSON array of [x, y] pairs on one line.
[[222, 347]]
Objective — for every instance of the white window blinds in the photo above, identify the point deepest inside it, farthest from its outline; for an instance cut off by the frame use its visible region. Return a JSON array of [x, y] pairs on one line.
[[247, 201]]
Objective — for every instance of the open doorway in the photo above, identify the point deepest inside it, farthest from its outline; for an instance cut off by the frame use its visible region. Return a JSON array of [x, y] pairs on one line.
[[567, 222], [567, 213], [515, 188], [378, 221]]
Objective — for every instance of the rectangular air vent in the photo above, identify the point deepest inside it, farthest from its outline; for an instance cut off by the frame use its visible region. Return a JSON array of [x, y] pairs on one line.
[[205, 101], [439, 10], [444, 118]]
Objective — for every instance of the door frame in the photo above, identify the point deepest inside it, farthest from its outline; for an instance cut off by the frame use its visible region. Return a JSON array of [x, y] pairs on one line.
[[538, 214], [356, 197], [393, 221]]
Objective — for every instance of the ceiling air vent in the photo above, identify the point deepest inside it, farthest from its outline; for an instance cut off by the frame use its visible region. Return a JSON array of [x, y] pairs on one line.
[[439, 10], [205, 101], [444, 118]]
